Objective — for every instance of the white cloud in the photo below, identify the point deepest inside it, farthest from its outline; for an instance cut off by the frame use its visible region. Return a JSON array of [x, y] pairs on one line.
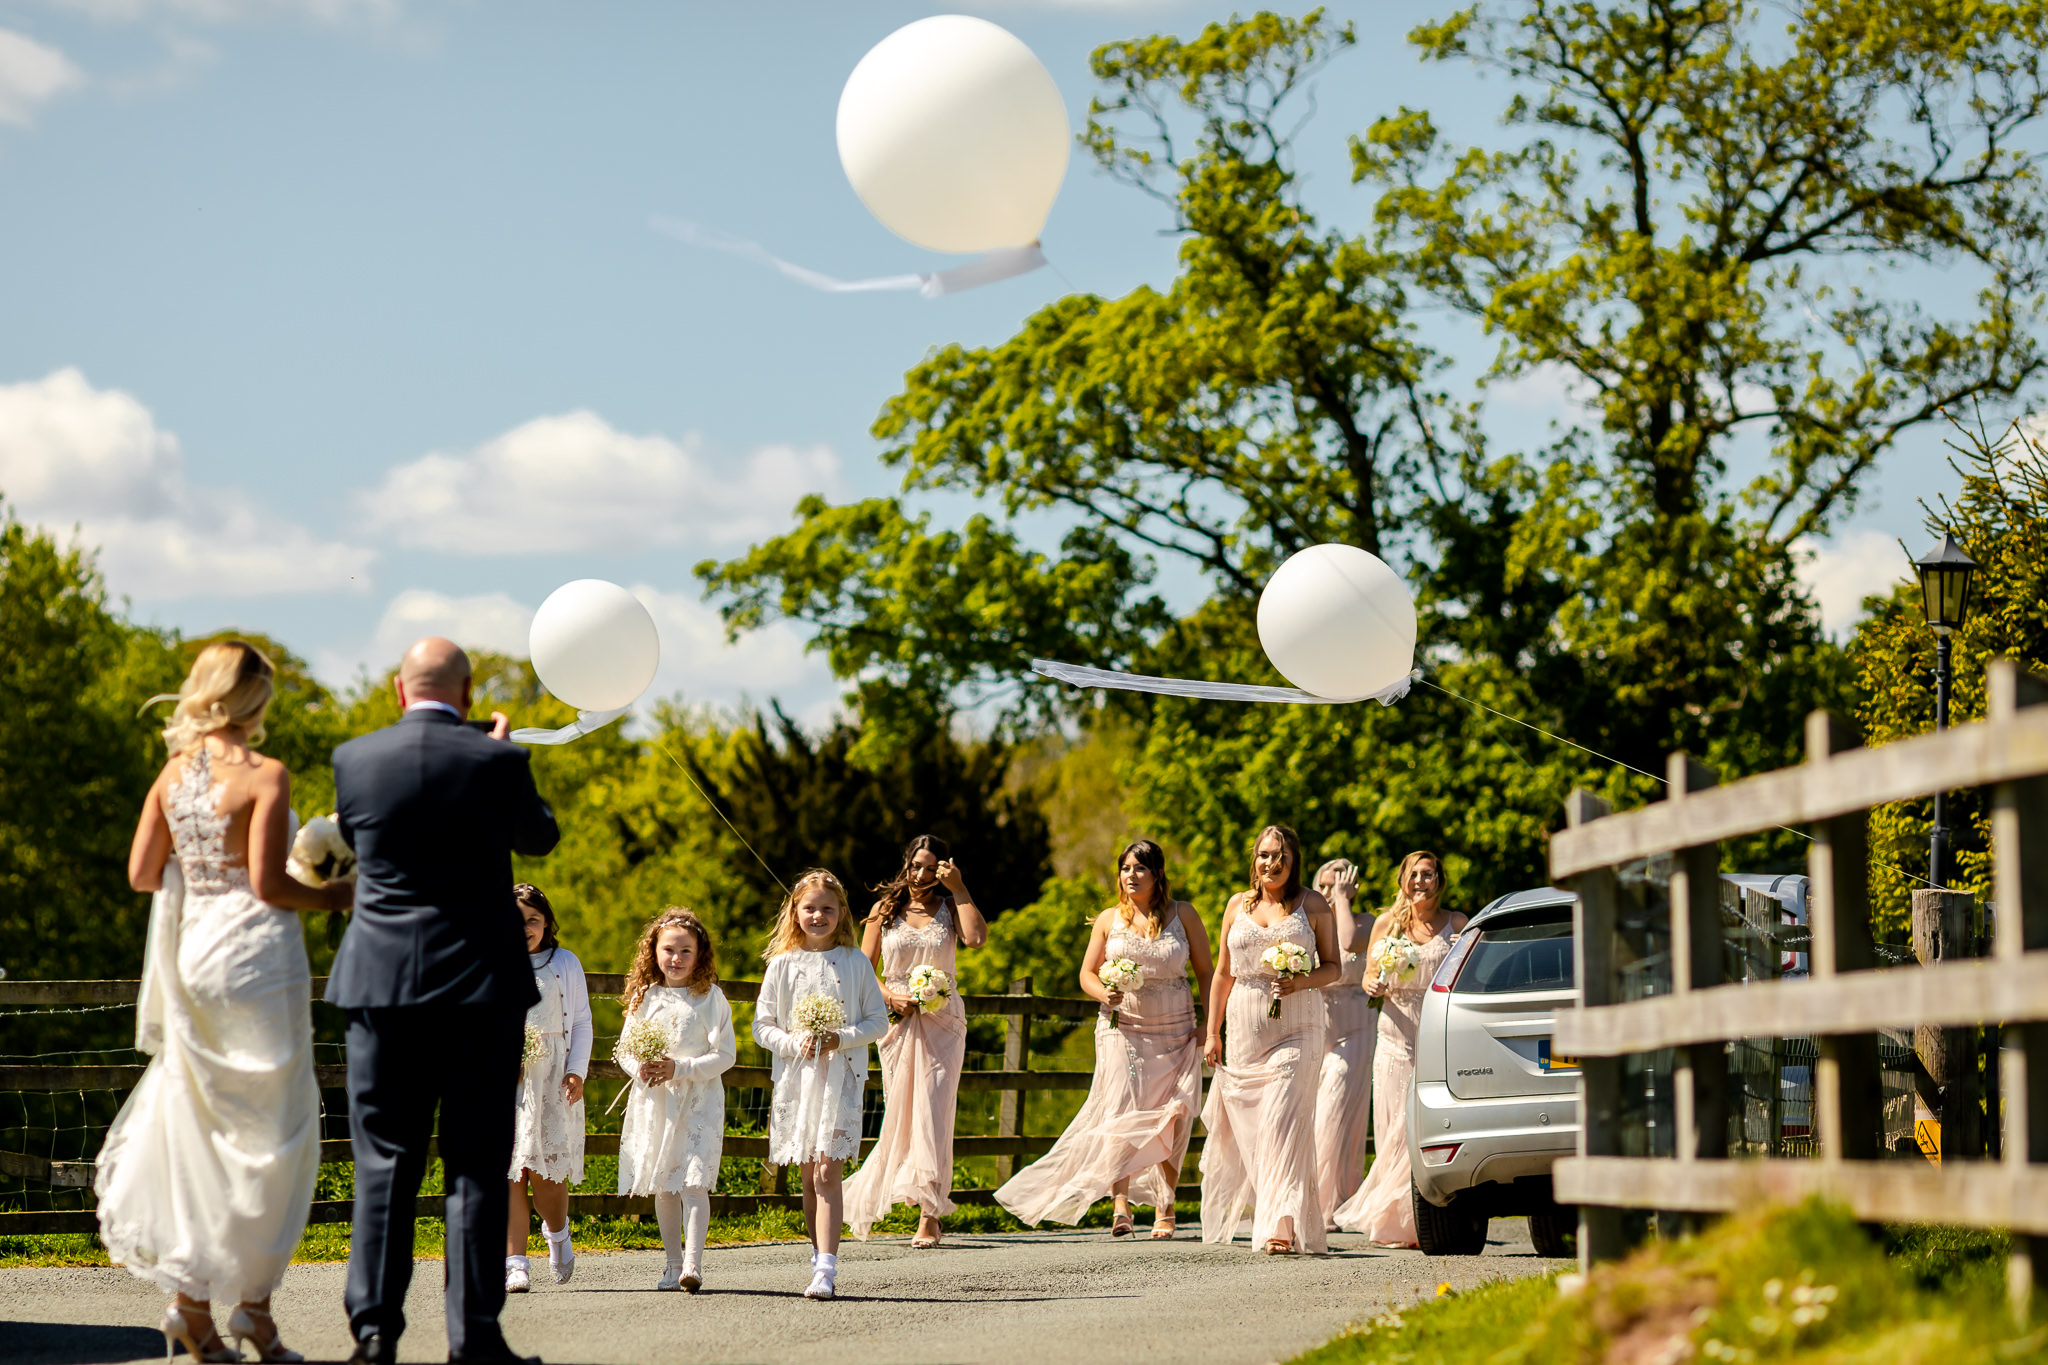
[[575, 483], [1841, 573], [73, 454], [31, 74], [696, 661]]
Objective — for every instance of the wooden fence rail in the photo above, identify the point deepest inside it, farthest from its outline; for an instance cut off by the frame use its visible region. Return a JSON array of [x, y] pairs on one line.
[[1017, 1009], [1621, 866]]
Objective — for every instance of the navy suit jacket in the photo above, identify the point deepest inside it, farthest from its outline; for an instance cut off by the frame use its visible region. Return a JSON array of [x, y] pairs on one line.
[[434, 811]]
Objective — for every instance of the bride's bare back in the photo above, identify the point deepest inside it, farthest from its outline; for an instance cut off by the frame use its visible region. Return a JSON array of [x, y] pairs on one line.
[[253, 794]]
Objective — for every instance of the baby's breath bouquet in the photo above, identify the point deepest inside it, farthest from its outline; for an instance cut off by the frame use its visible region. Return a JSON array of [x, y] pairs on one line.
[[929, 987], [1285, 959], [1121, 974], [1396, 959], [645, 1041], [818, 1014], [533, 1049]]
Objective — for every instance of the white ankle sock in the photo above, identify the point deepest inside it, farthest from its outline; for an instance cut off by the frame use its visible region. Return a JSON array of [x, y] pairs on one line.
[[515, 1263], [827, 1263]]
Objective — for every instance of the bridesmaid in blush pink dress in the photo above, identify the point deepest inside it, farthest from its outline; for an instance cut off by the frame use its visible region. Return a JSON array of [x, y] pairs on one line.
[[1261, 1114], [1344, 1097], [1383, 1208], [923, 915], [1131, 1135]]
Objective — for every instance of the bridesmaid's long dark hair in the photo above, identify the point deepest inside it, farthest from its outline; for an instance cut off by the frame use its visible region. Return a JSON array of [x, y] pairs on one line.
[[893, 895], [1152, 858]]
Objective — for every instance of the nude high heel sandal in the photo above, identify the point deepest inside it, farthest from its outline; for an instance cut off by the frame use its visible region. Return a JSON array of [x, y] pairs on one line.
[[242, 1327], [178, 1332]]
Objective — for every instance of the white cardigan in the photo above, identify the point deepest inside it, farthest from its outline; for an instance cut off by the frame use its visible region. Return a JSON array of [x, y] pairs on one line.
[[782, 985], [558, 970]]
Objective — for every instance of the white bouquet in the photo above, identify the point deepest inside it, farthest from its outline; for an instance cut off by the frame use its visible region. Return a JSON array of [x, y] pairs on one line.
[[818, 1014], [533, 1049], [1396, 959], [929, 987], [1286, 959], [1121, 974], [645, 1041], [319, 854]]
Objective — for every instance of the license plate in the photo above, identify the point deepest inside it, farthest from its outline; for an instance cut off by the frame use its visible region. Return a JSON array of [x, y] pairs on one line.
[[1546, 1060]]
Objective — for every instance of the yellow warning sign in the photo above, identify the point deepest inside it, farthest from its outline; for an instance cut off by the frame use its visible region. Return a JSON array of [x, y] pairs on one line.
[[1927, 1132]]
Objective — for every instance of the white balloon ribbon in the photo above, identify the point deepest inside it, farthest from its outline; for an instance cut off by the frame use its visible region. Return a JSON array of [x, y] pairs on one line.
[[1079, 675], [586, 721], [990, 267]]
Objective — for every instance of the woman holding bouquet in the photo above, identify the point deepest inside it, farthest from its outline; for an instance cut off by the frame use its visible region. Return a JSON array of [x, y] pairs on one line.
[[1419, 931], [1141, 1106], [1343, 1115], [922, 915], [1279, 949]]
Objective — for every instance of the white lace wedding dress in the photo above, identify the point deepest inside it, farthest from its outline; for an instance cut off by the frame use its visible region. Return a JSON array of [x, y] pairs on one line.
[[207, 1173]]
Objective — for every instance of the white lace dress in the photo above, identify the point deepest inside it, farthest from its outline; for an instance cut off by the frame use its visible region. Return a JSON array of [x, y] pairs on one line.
[[207, 1173], [816, 1109], [673, 1134], [548, 1137]]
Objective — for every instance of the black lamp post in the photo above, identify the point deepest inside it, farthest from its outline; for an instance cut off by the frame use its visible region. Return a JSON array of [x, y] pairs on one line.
[[1945, 575]]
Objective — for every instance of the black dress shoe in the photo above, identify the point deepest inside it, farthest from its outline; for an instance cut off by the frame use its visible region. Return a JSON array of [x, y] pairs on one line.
[[498, 1353], [374, 1350]]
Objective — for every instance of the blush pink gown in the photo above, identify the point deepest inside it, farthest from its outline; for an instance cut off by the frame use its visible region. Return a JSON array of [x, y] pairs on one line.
[[912, 1161], [1261, 1150], [1343, 1098], [1141, 1105], [1382, 1209]]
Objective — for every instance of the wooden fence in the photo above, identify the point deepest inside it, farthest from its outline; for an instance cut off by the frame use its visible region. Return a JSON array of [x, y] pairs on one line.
[[1013, 1081], [1622, 865]]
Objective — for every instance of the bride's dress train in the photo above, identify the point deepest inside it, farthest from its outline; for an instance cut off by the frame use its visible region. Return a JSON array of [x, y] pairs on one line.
[[207, 1174]]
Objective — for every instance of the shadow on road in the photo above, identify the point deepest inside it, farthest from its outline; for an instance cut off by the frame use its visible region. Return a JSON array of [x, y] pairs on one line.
[[65, 1343]]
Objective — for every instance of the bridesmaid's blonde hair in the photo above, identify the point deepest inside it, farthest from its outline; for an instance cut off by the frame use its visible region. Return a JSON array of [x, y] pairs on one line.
[[1403, 909], [231, 684], [789, 935]]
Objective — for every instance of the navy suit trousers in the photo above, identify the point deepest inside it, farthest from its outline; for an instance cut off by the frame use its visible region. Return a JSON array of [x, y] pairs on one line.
[[403, 1062]]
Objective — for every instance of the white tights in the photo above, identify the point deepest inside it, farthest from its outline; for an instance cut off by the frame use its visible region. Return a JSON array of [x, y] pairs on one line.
[[685, 1219]]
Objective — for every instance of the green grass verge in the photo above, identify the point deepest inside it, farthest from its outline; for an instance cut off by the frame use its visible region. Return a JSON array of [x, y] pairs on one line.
[[329, 1241], [1805, 1285]]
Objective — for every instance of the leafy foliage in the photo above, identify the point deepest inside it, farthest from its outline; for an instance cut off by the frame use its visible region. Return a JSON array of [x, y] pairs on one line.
[[2000, 518]]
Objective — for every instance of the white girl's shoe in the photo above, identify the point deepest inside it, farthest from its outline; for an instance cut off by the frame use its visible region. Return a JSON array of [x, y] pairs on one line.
[[693, 1272], [821, 1287], [671, 1278], [517, 1281], [561, 1256]]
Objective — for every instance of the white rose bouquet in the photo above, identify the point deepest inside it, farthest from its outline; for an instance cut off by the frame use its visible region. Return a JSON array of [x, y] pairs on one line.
[[818, 1014], [1286, 959], [929, 987], [1396, 959], [1121, 974], [319, 854]]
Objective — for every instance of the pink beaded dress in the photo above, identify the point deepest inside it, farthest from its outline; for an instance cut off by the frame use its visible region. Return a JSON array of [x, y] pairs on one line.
[[1343, 1096], [1382, 1209], [912, 1160], [1260, 1155], [1142, 1103]]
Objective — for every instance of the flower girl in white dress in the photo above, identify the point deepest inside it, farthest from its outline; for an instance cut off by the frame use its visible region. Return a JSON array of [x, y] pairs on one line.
[[674, 1128], [547, 1147], [820, 1007]]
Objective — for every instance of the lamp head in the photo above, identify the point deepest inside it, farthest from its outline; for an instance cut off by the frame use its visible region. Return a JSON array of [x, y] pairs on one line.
[[1945, 574]]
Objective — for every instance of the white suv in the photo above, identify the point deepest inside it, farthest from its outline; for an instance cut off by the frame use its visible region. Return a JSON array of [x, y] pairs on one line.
[[1493, 1106]]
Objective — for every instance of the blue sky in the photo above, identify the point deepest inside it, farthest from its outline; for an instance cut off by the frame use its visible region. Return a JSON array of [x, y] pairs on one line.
[[343, 319]]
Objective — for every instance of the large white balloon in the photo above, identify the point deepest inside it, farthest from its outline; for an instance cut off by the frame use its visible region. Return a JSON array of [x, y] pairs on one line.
[[954, 135], [593, 645], [1337, 622]]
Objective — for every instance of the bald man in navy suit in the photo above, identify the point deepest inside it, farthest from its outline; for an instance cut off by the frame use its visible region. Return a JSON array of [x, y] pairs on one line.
[[435, 981]]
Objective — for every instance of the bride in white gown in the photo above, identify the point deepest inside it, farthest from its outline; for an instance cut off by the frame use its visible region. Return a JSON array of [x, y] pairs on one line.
[[207, 1173]]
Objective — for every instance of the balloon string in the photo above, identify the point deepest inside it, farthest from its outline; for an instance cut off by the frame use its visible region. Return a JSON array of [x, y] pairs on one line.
[[721, 815], [1900, 872]]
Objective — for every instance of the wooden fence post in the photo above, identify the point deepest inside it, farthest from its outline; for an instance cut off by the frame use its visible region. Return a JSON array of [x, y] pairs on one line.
[[2019, 847], [1942, 932], [1600, 1231], [1016, 1057], [1700, 1079], [1848, 1090]]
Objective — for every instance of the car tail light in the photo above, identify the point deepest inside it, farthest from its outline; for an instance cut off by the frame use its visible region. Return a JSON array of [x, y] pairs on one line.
[[1441, 1156], [1453, 963]]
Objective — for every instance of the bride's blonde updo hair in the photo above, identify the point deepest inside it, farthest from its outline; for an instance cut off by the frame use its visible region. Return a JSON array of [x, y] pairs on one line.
[[231, 683]]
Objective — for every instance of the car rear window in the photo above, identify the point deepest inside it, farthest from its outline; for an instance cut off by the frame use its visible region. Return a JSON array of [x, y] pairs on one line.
[[1519, 957]]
